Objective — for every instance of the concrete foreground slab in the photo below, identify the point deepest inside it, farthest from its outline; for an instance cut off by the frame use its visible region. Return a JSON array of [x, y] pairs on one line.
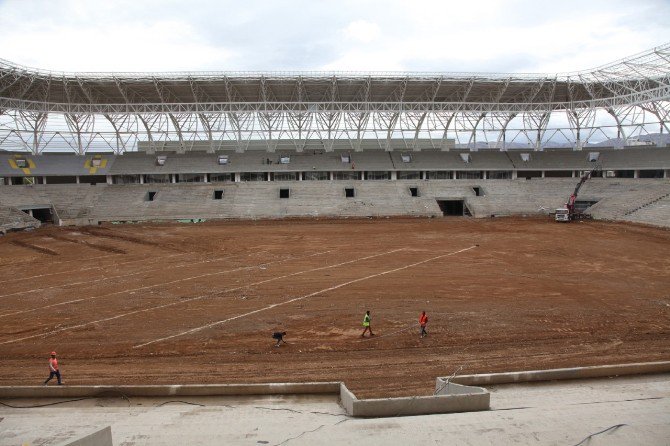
[[631, 410]]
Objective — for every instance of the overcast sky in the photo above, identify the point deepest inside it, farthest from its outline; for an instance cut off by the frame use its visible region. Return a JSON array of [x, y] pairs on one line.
[[348, 35]]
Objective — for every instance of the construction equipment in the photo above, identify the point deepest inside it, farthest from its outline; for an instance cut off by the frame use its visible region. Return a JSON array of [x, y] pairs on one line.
[[569, 212]]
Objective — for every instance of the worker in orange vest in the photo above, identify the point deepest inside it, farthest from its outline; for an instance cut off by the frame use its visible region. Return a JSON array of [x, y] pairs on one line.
[[423, 321], [53, 369]]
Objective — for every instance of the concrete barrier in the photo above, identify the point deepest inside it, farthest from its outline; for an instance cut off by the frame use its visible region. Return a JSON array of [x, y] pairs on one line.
[[457, 394], [449, 399], [169, 390], [102, 437], [567, 373]]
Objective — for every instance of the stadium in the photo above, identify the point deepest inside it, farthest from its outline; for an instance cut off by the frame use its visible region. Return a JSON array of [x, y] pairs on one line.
[[159, 225]]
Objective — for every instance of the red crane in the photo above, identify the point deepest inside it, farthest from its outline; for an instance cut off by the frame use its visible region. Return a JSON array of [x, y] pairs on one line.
[[569, 213]]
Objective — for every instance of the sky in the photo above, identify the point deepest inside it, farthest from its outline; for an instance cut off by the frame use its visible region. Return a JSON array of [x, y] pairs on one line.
[[515, 36]]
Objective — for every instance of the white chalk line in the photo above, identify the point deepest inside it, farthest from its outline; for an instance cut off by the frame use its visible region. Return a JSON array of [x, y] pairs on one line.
[[296, 299], [242, 268], [102, 279], [72, 260], [16, 279], [182, 301]]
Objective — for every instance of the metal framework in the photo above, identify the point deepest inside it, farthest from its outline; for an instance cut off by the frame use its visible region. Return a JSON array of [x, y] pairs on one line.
[[43, 110]]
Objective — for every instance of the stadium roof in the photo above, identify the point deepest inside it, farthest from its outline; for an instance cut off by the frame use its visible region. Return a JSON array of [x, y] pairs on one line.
[[242, 106]]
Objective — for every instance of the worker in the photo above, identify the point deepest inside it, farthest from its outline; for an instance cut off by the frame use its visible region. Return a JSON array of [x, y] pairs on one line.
[[366, 324], [423, 321], [279, 336], [53, 369]]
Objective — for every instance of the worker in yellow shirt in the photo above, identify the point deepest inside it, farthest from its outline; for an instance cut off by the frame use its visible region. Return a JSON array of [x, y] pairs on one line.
[[366, 324]]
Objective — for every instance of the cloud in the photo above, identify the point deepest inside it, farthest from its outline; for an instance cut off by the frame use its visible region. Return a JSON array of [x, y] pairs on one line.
[[362, 31], [350, 35]]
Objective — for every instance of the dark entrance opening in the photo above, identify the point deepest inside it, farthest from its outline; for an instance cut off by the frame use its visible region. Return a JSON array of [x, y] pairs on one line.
[[658, 173], [478, 191], [150, 196], [42, 214], [349, 192], [414, 191], [218, 195], [284, 193], [452, 207], [92, 179]]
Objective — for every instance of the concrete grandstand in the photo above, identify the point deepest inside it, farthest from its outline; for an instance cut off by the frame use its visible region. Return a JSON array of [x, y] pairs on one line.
[[69, 189]]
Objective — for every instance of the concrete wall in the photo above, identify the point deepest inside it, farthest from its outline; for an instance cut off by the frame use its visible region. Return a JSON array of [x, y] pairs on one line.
[[175, 390], [452, 398], [457, 394], [559, 374]]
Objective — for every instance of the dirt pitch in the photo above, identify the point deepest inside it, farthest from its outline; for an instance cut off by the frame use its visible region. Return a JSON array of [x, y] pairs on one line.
[[137, 304]]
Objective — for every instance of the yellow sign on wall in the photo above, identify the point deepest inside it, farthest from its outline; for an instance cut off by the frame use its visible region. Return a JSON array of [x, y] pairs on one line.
[[95, 163], [16, 159]]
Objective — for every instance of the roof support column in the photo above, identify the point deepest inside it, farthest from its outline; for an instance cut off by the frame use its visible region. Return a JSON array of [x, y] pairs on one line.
[[620, 134], [79, 125], [473, 134], [502, 137]]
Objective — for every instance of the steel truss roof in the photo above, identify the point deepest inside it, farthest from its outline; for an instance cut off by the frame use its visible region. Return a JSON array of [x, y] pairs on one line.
[[43, 110]]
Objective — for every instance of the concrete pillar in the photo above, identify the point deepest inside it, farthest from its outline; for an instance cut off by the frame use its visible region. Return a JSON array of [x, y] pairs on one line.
[[573, 174], [110, 181], [30, 212], [77, 179], [666, 173], [237, 178], [174, 177], [604, 174], [636, 174], [141, 179], [394, 175], [485, 175], [543, 174], [268, 176], [299, 176], [514, 177], [44, 180], [362, 176], [454, 175], [206, 178]]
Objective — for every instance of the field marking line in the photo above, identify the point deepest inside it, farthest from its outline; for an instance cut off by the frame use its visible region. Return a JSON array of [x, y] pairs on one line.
[[71, 260], [242, 268], [152, 259], [296, 299], [130, 313], [102, 279], [16, 279]]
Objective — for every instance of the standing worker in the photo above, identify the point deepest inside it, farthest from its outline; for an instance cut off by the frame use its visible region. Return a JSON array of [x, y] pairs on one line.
[[53, 369], [366, 324], [423, 321]]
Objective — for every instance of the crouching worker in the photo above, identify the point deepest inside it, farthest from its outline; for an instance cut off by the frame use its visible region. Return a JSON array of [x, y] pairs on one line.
[[53, 369], [279, 336]]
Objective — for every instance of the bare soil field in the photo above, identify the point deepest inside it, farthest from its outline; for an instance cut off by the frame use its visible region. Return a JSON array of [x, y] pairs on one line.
[[187, 303]]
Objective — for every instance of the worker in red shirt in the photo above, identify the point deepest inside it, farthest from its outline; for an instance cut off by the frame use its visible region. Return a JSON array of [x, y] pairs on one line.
[[423, 321], [53, 369]]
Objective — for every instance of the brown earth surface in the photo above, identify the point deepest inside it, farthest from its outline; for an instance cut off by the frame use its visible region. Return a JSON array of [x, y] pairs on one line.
[[186, 303]]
